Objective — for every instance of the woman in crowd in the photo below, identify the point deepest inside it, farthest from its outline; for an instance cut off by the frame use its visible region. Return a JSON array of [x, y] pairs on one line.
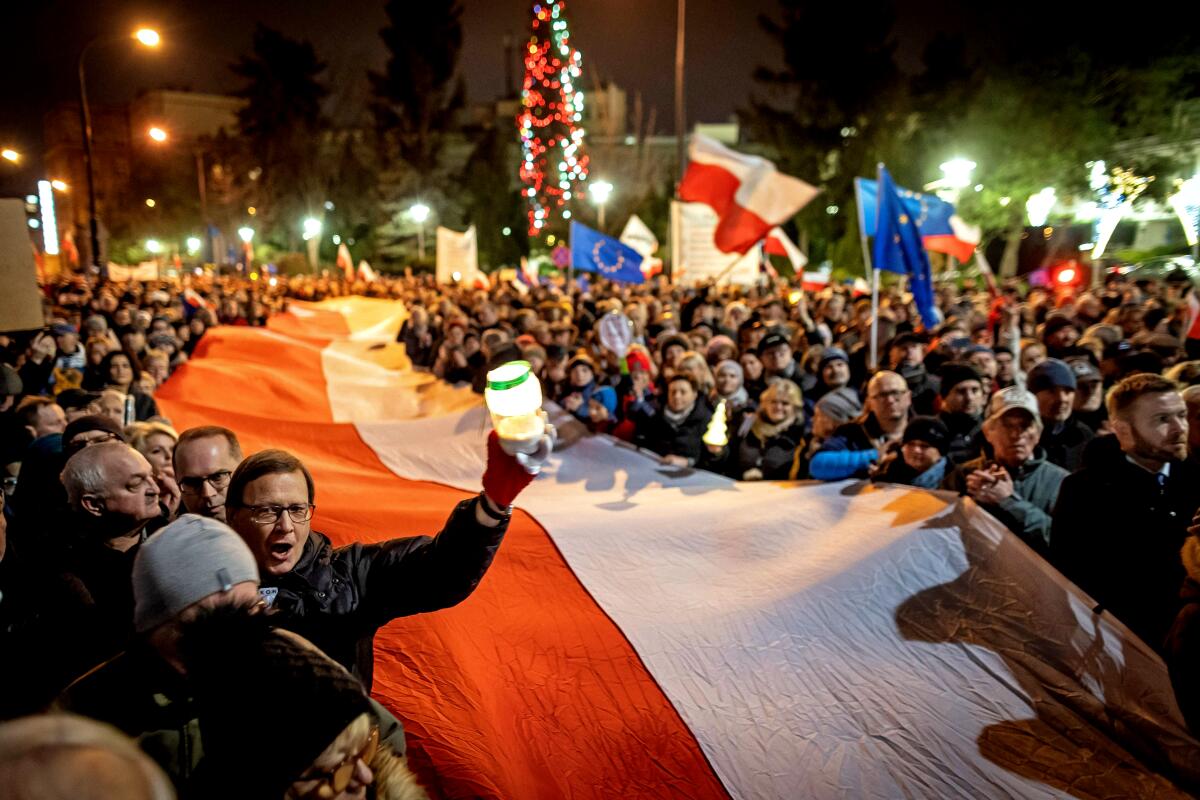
[[581, 384], [675, 431], [121, 373], [773, 448], [695, 367], [156, 441], [731, 388]]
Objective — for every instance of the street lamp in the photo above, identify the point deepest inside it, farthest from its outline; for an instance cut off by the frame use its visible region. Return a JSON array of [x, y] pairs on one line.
[[419, 212], [600, 191], [153, 246], [59, 186], [8, 154], [312, 235], [193, 245], [157, 134], [956, 173], [246, 234], [1038, 206], [147, 37]]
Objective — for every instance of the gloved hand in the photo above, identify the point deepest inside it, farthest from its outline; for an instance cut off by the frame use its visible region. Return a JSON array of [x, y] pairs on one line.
[[506, 475]]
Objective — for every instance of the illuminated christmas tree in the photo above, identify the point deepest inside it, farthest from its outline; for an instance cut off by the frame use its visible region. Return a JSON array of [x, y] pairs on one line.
[[553, 160]]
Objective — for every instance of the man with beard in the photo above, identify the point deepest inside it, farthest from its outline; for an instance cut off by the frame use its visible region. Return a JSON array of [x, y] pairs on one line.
[[1120, 521]]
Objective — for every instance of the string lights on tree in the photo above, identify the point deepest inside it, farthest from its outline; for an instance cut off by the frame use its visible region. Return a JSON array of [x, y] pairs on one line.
[[550, 122]]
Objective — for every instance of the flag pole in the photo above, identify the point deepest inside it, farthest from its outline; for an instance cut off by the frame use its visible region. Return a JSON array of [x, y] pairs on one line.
[[873, 363]]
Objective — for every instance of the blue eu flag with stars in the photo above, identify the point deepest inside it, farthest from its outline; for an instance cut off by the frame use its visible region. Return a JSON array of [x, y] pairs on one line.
[[592, 251], [898, 247]]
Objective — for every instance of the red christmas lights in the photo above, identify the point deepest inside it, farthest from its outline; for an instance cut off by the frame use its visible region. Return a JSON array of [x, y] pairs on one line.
[[553, 161]]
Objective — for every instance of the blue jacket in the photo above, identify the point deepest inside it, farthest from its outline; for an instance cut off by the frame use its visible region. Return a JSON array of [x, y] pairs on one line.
[[849, 453]]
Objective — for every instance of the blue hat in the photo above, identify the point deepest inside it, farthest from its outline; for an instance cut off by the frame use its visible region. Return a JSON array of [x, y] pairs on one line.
[[62, 329], [832, 354], [607, 397], [1051, 374]]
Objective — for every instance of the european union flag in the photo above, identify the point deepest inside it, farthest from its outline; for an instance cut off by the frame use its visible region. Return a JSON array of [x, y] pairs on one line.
[[592, 251], [898, 247]]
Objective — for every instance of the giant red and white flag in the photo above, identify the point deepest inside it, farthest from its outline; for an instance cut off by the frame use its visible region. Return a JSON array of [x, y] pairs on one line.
[[749, 195], [656, 633], [778, 244]]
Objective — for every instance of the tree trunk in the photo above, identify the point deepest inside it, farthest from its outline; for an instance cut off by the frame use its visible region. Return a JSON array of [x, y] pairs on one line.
[[1012, 246]]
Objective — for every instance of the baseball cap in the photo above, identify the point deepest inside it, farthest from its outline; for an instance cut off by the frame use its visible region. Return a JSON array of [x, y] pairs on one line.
[[1051, 374], [771, 340], [1085, 371], [1013, 398]]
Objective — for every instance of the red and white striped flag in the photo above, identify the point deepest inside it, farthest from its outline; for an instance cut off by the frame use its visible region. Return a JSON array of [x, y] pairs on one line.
[[645, 633], [749, 195]]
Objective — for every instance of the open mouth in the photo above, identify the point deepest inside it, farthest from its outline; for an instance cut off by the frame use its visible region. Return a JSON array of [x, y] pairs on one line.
[[279, 551]]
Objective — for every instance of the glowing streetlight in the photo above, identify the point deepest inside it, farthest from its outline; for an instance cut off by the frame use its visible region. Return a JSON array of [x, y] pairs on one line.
[[246, 234], [148, 37], [157, 134], [419, 212], [153, 246], [8, 154], [59, 186], [600, 192], [150, 202], [193, 245], [1039, 205], [311, 227], [956, 173]]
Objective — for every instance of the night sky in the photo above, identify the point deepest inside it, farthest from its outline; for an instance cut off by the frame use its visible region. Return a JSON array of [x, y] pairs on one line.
[[628, 41]]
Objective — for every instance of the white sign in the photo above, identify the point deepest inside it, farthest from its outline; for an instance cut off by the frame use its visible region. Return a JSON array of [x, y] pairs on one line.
[[457, 252], [145, 271], [697, 257]]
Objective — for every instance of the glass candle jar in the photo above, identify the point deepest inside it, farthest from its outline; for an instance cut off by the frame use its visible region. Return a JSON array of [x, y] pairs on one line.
[[514, 399]]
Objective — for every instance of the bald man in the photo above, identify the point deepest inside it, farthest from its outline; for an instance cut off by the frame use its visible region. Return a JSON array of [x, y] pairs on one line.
[[858, 444]]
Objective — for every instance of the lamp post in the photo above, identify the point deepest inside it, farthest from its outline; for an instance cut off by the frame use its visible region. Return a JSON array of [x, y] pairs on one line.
[[147, 37], [160, 136], [600, 191], [8, 154], [312, 235], [956, 173], [419, 213]]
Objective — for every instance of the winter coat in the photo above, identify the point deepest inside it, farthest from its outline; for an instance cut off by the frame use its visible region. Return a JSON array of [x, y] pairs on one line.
[[337, 598], [145, 698], [966, 436], [1182, 649], [849, 452], [657, 433], [1117, 534], [924, 388], [1027, 511], [778, 457], [898, 471], [1065, 445]]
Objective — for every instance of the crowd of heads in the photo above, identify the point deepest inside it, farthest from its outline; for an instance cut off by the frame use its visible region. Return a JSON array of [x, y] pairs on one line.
[[1018, 395]]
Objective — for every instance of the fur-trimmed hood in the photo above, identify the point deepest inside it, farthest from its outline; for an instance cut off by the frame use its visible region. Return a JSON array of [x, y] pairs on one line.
[[393, 779], [1191, 560]]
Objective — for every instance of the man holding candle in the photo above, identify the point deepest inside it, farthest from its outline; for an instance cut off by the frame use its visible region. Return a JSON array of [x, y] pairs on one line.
[[339, 597]]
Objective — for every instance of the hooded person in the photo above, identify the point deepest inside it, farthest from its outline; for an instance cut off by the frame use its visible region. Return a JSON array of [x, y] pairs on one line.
[[921, 460], [581, 383], [193, 566], [1182, 649], [834, 409], [325, 741], [731, 387], [833, 372]]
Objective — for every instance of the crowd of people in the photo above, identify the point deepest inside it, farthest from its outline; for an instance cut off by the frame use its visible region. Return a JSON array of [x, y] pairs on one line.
[[1072, 417]]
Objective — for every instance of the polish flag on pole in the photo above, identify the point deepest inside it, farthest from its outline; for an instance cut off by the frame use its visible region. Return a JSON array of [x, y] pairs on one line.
[[1193, 318], [778, 244], [749, 195], [345, 261]]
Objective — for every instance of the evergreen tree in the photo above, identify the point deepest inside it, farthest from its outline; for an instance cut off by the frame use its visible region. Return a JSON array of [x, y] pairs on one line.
[[283, 128]]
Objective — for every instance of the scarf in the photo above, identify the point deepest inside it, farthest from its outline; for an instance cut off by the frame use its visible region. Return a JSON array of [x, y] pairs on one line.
[[766, 431], [932, 477], [677, 418], [738, 399]]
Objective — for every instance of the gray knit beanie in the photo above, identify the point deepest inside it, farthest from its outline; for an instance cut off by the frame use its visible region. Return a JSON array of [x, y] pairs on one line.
[[182, 564]]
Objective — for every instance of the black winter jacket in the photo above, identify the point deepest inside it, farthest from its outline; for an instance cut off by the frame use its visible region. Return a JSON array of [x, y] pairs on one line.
[[1065, 445], [658, 434], [1117, 535], [338, 597]]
